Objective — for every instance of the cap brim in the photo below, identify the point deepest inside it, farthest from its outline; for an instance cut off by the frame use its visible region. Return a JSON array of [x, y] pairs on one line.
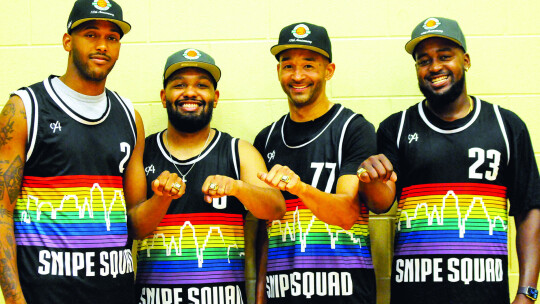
[[124, 26], [212, 69], [409, 47], [276, 49]]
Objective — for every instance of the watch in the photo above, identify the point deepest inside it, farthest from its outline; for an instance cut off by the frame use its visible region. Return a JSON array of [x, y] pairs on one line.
[[529, 292]]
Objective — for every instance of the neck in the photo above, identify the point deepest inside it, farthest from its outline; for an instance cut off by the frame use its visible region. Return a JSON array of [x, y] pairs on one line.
[[454, 110], [311, 111], [187, 145], [82, 85]]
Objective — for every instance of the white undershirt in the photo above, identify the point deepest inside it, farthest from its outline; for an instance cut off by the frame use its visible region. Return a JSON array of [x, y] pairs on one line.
[[90, 107]]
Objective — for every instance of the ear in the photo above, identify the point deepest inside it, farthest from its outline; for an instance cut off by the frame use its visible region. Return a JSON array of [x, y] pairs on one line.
[[330, 69], [163, 98], [277, 68], [66, 42], [466, 61], [216, 98]]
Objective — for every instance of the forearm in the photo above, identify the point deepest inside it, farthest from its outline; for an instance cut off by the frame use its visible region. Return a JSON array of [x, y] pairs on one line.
[[9, 277], [334, 209], [146, 216], [378, 195], [264, 203], [528, 247]]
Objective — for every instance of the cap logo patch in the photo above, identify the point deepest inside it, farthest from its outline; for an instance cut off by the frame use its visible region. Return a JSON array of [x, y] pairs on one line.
[[101, 5], [192, 54], [301, 31], [431, 23]]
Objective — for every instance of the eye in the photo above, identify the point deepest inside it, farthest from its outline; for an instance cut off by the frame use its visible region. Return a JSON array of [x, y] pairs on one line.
[[202, 86], [179, 85], [287, 66], [445, 57], [309, 66], [90, 35], [113, 38], [422, 62]]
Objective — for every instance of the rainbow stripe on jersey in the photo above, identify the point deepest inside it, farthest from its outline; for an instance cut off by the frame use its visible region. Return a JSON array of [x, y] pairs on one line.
[[300, 240], [77, 211], [193, 248], [457, 218]]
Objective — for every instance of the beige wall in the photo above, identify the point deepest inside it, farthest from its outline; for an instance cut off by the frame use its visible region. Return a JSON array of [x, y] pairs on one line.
[[374, 75]]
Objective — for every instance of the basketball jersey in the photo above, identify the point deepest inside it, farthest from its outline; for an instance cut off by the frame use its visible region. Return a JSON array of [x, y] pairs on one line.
[[310, 261], [454, 179], [70, 219], [196, 254]]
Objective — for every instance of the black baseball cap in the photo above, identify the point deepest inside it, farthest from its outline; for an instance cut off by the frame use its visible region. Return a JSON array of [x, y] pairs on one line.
[[303, 35], [436, 27], [87, 10], [191, 58]]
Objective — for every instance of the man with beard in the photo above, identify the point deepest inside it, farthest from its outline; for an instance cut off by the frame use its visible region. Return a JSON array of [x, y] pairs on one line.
[[457, 160], [319, 252], [194, 251], [64, 222]]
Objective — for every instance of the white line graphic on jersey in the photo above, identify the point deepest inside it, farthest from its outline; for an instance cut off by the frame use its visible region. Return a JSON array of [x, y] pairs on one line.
[[303, 236], [178, 246], [461, 221], [87, 205]]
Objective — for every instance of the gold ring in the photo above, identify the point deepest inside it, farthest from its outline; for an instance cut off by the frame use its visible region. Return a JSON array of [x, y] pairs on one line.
[[212, 186], [360, 171], [177, 186], [286, 179]]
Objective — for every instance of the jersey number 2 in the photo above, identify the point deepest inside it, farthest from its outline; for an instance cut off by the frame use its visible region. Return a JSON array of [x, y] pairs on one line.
[[124, 147], [480, 155]]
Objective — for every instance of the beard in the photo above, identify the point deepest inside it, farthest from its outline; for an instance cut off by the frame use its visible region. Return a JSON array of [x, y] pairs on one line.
[[85, 71], [190, 123], [445, 98]]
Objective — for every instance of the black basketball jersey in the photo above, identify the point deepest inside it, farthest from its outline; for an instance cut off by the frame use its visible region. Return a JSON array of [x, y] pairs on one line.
[[454, 179], [196, 254], [310, 261], [70, 217]]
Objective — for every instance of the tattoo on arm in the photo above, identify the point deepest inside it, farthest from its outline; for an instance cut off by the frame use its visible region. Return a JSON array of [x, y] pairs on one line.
[[10, 179], [7, 129]]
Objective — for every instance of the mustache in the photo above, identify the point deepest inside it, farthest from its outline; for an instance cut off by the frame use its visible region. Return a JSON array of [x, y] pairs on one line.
[[100, 54]]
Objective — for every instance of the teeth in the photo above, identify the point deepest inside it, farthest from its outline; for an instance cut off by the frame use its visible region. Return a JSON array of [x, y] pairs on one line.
[[439, 79], [189, 106], [299, 87]]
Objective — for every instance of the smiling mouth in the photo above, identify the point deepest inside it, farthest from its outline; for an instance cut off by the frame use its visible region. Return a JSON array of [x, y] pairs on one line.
[[190, 105], [439, 79]]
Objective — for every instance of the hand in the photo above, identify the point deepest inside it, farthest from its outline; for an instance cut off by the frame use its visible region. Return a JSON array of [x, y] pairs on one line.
[[163, 185], [376, 167], [216, 186], [284, 179]]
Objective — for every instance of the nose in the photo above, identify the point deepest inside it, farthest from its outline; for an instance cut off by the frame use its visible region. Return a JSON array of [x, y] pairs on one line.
[[102, 44], [297, 75], [189, 92], [435, 66]]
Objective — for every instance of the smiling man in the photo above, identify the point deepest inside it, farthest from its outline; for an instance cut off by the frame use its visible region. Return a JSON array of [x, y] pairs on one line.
[[194, 249], [457, 160], [319, 252]]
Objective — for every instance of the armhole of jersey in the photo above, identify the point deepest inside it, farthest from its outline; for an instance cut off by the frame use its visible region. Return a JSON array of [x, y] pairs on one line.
[[31, 109], [340, 147], [503, 130], [130, 113], [270, 133], [235, 156], [401, 127]]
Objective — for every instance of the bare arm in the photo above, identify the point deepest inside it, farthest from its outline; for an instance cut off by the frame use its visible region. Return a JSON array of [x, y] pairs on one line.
[[377, 183], [341, 208], [12, 159], [144, 215], [261, 200], [528, 250]]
